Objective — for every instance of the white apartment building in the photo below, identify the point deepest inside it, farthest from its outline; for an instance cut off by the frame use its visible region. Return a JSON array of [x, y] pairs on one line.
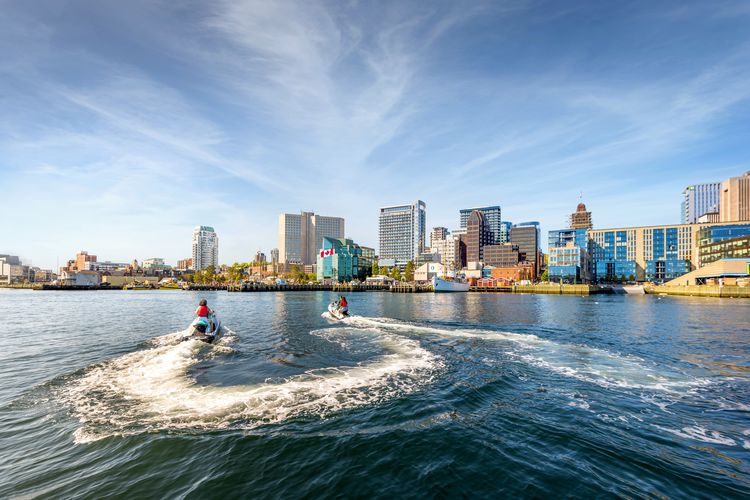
[[402, 231], [205, 248]]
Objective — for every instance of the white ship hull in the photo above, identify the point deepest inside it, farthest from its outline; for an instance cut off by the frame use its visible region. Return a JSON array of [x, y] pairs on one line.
[[441, 285]]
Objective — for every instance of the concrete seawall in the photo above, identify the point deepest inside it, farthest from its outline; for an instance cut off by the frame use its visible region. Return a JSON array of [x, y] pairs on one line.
[[702, 291], [561, 289], [547, 289]]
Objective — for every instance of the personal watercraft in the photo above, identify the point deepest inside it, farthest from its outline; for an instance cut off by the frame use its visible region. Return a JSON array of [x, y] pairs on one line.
[[206, 329], [337, 312]]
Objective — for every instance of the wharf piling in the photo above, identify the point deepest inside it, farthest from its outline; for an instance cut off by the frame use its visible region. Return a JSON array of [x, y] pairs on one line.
[[411, 288], [202, 288]]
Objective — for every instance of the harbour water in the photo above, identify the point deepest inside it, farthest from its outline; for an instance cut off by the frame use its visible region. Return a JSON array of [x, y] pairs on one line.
[[417, 395]]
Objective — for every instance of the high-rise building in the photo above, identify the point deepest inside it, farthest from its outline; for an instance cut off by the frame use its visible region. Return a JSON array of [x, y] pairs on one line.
[[478, 235], [274, 255], [494, 222], [699, 199], [401, 230], [580, 219], [205, 248], [438, 234], [505, 231], [260, 257], [734, 199], [526, 236], [301, 236]]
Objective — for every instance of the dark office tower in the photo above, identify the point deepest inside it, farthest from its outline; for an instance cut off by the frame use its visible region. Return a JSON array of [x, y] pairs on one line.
[[526, 236], [494, 223], [478, 235]]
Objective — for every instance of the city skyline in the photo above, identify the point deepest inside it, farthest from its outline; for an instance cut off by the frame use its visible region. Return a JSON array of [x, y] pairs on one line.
[[120, 145]]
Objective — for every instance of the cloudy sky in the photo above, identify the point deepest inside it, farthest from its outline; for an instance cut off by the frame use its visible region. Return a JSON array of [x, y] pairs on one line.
[[125, 124]]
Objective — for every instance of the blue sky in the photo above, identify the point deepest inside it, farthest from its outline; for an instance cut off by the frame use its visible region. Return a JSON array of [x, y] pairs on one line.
[[125, 124]]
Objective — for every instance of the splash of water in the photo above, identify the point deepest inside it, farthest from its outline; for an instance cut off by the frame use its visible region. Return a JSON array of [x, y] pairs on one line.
[[151, 390]]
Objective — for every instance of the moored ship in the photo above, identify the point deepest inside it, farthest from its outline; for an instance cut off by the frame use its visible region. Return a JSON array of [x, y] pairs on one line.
[[448, 284]]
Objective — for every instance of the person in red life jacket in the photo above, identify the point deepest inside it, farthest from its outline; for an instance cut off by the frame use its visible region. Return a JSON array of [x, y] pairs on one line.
[[343, 306], [204, 312]]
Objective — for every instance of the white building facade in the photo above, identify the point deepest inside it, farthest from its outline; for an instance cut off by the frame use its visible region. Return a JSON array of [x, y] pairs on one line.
[[699, 199], [301, 236], [401, 231], [205, 248]]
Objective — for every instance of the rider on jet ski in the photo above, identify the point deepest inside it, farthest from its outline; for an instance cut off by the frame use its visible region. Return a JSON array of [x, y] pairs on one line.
[[205, 313], [343, 305]]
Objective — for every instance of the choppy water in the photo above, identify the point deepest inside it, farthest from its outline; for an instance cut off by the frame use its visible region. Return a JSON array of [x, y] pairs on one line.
[[416, 395]]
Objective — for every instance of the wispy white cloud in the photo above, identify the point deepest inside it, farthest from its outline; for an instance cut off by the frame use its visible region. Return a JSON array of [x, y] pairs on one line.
[[342, 107]]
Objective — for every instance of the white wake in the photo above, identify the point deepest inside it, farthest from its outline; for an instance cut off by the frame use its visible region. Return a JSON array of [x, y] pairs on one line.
[[151, 390]]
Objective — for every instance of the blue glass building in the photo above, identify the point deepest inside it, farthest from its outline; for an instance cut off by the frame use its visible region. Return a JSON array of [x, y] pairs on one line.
[[665, 263], [569, 255], [345, 263], [613, 255], [561, 237], [570, 264]]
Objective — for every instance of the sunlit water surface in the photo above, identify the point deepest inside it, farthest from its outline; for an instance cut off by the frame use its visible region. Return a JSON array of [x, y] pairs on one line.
[[415, 395]]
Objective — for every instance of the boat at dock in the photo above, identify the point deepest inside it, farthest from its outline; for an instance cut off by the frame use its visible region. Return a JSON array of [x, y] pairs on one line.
[[449, 284], [137, 286]]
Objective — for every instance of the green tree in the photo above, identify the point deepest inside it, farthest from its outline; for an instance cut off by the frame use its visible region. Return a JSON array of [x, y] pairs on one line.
[[409, 271], [236, 272], [297, 274], [384, 271], [544, 276], [631, 278], [396, 273], [375, 269], [623, 279]]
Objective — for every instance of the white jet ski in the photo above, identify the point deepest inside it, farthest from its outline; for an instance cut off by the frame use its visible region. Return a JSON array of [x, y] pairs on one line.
[[200, 329], [337, 312]]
